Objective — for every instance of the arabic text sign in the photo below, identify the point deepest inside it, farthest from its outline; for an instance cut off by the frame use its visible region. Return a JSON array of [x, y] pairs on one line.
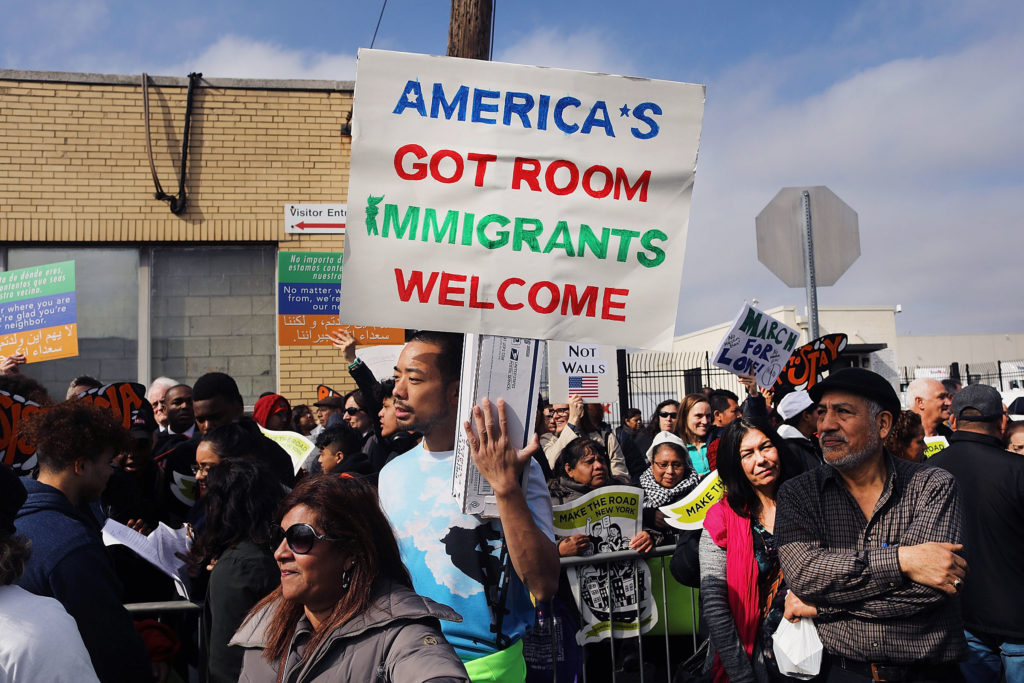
[[308, 299], [756, 344], [585, 370], [38, 314], [518, 201], [610, 516]]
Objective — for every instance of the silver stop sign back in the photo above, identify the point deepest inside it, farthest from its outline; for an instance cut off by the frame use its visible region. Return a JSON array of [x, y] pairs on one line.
[[780, 227]]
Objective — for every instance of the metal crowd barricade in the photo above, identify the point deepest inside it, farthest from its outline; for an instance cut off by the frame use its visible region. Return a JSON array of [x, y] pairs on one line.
[[659, 553]]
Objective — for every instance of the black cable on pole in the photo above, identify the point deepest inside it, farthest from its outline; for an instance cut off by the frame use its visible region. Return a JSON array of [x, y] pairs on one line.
[[177, 203], [378, 23]]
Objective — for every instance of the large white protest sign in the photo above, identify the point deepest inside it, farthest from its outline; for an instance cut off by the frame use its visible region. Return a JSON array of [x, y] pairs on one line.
[[516, 200], [757, 344], [585, 370]]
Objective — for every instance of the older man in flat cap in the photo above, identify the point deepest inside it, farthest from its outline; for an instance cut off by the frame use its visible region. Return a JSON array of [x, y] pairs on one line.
[[869, 545]]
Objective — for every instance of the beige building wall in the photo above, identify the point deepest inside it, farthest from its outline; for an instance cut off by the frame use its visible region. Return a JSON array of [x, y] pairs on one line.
[[937, 350], [74, 170]]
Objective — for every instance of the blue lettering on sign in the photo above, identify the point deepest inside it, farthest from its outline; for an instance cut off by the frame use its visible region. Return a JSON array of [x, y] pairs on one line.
[[298, 298], [42, 311], [527, 110]]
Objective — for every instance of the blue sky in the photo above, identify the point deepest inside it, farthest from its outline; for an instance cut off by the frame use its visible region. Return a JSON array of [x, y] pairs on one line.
[[910, 110]]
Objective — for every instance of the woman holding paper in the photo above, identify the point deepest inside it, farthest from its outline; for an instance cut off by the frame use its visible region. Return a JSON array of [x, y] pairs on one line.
[[695, 418], [742, 589], [241, 498]]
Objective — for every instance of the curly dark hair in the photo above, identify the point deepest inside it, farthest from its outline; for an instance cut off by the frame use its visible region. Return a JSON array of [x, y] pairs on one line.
[[904, 428], [20, 385], [241, 499], [73, 429], [14, 554]]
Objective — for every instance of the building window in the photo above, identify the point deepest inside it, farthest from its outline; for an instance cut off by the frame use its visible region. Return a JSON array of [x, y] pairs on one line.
[[210, 308], [107, 303]]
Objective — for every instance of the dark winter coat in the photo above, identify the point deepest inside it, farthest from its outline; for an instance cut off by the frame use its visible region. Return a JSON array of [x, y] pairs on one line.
[[69, 563]]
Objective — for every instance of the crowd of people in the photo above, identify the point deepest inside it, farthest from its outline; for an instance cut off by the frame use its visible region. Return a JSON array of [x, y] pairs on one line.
[[357, 564]]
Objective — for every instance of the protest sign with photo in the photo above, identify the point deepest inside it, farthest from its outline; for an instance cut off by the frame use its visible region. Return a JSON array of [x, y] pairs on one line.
[[610, 516], [308, 300], [585, 370], [518, 200], [757, 344], [38, 314]]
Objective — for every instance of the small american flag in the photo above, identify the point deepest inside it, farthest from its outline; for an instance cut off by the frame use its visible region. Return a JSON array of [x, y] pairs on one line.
[[584, 386]]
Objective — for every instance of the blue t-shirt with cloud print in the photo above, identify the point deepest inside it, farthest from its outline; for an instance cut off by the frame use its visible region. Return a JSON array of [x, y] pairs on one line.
[[453, 556]]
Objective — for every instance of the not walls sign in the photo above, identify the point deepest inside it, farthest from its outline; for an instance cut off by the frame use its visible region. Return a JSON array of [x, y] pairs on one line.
[[585, 370]]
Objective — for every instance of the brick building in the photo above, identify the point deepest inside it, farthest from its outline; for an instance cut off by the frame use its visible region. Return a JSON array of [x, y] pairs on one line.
[[159, 293]]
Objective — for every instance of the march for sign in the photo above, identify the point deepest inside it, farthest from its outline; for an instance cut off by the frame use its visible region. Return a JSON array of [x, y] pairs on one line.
[[757, 344], [518, 201]]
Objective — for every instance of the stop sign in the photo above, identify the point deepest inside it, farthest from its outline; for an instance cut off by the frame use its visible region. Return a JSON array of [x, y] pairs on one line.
[[780, 227]]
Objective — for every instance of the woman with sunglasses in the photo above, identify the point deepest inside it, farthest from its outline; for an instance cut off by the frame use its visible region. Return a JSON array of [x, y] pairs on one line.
[[742, 590], [345, 610], [242, 495], [663, 419]]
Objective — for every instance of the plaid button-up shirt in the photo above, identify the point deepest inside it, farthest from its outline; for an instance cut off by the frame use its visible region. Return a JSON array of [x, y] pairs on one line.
[[847, 566]]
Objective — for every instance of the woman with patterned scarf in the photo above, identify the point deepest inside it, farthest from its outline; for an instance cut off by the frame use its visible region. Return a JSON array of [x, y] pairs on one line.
[[670, 478]]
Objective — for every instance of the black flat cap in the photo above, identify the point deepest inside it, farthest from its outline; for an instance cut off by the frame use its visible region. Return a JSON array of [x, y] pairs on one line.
[[859, 382]]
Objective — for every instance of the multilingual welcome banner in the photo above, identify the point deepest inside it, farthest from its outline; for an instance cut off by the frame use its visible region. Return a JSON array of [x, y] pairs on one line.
[[517, 200]]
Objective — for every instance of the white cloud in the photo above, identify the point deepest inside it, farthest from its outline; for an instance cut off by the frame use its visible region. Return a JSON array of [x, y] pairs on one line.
[[589, 49], [926, 150], [241, 57]]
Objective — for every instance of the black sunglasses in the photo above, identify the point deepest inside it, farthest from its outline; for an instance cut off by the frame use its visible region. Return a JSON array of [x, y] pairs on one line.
[[354, 411], [301, 537], [664, 414]]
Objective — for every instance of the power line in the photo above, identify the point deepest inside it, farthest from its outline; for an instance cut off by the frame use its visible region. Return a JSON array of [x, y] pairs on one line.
[[378, 23]]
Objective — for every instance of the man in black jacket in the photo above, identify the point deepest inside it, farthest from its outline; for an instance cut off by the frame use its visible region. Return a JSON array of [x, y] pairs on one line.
[[991, 482]]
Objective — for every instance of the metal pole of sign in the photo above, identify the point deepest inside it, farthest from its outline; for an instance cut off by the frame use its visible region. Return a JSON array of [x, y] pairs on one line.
[[809, 281], [611, 614]]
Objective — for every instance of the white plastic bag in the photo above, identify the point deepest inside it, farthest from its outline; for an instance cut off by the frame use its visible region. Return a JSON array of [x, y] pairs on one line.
[[797, 648]]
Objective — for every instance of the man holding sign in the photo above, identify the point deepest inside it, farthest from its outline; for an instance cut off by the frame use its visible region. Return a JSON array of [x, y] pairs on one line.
[[485, 569]]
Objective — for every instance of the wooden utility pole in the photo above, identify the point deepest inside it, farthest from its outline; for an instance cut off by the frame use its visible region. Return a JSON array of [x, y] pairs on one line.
[[469, 29]]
